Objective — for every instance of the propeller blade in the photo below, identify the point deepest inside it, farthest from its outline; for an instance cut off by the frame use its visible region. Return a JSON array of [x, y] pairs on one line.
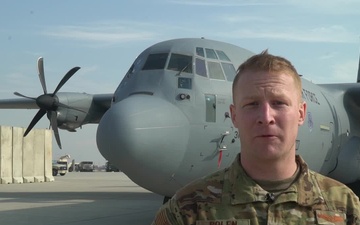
[[66, 78], [48, 103], [53, 122], [41, 74], [36, 119], [21, 95]]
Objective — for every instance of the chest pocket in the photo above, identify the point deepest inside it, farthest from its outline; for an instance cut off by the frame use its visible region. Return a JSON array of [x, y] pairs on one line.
[[218, 214]]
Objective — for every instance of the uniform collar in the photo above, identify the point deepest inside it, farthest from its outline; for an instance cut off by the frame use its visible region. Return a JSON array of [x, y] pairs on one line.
[[243, 189]]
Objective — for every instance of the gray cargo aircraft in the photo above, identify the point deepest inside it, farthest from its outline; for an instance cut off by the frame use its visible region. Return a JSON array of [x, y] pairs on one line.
[[168, 122]]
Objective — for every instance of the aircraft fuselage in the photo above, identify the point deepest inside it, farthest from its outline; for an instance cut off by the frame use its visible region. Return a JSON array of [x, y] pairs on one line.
[[169, 122]]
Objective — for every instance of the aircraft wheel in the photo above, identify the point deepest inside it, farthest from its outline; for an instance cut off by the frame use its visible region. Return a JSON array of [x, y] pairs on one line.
[[54, 172]]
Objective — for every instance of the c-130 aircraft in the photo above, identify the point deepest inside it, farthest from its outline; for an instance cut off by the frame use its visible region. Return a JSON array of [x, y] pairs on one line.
[[168, 122]]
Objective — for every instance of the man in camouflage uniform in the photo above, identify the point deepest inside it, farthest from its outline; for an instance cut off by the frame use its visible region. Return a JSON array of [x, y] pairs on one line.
[[267, 183]]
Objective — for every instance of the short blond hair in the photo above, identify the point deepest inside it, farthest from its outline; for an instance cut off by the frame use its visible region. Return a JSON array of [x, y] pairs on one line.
[[268, 63]]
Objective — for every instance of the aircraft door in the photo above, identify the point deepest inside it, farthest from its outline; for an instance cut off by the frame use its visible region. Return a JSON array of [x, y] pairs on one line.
[[214, 112], [228, 134], [210, 108]]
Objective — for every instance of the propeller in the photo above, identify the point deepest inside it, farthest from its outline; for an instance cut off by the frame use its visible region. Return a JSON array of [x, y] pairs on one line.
[[48, 102]]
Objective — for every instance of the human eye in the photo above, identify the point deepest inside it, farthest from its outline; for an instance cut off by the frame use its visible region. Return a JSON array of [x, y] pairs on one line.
[[279, 103], [250, 104]]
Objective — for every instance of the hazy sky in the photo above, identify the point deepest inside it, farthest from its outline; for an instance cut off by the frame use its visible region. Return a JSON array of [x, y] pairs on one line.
[[320, 37]]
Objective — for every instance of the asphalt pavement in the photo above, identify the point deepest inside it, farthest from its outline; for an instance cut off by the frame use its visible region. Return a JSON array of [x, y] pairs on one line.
[[81, 199], [78, 199]]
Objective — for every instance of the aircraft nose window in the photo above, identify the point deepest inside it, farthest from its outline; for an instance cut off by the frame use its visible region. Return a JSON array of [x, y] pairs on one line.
[[200, 51], [229, 70], [210, 53], [156, 61], [200, 67], [181, 63], [215, 71], [222, 55]]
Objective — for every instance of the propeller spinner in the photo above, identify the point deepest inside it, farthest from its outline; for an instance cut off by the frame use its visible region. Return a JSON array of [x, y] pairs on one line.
[[48, 103]]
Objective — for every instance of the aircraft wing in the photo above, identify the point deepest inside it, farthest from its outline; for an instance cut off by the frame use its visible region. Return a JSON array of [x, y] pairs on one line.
[[70, 109], [101, 100], [23, 103], [65, 110]]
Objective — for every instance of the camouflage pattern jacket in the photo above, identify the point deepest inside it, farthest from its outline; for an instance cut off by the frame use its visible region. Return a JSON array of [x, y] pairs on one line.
[[230, 197]]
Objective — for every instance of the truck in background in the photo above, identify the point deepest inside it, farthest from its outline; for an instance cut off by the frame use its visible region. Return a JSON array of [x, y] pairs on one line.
[[60, 166], [86, 166], [110, 167], [74, 167]]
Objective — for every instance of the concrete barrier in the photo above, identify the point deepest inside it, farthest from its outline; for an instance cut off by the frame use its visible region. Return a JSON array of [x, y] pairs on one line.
[[17, 150], [25, 159], [48, 156], [39, 155], [28, 158], [6, 155]]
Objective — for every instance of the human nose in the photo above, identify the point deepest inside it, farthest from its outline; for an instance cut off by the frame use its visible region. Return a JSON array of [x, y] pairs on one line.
[[266, 114]]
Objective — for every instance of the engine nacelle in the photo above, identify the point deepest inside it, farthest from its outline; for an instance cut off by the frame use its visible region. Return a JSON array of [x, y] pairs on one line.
[[73, 110]]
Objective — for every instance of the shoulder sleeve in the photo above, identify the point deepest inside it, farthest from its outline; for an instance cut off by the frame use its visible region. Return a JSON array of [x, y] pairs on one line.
[[181, 209], [341, 198], [353, 209], [169, 214]]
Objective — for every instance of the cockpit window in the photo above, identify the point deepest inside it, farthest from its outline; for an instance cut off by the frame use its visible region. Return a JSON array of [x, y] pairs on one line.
[[229, 71], [200, 67], [200, 51], [216, 65], [210, 53], [215, 71], [222, 55], [181, 63], [155, 61]]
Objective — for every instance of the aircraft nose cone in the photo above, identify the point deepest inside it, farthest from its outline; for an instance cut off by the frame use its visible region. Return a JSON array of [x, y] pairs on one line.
[[146, 137]]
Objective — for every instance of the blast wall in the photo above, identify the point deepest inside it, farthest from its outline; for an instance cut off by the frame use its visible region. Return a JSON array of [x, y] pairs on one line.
[[25, 159]]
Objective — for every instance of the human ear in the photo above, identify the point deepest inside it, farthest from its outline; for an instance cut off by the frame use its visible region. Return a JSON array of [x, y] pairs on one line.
[[233, 114], [302, 112]]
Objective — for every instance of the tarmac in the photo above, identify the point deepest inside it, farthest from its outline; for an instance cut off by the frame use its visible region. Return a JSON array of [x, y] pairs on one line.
[[80, 199], [77, 199]]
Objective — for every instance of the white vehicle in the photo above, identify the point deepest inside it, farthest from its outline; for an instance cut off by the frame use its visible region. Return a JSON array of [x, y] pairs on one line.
[[86, 166], [60, 166]]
